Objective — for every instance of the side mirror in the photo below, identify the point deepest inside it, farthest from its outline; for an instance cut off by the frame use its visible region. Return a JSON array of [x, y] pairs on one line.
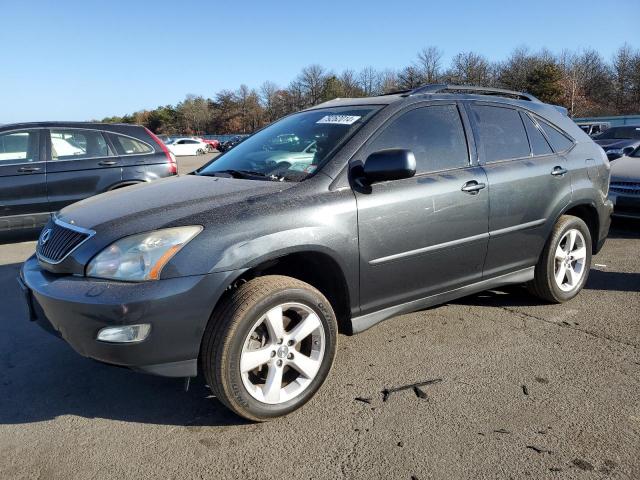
[[392, 164], [627, 150]]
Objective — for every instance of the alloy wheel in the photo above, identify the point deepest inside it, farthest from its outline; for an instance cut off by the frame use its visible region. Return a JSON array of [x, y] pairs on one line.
[[282, 353], [570, 259]]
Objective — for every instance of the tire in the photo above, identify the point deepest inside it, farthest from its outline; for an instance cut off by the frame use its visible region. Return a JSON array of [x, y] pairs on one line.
[[546, 284], [239, 330], [200, 152]]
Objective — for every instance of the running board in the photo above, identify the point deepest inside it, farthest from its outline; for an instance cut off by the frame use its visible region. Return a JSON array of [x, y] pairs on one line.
[[364, 322]]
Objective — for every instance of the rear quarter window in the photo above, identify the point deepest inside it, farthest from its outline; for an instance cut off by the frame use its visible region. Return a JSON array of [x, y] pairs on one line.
[[559, 141], [130, 146]]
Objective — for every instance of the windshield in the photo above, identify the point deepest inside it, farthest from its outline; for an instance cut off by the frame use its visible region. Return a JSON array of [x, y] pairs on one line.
[[620, 133], [294, 147]]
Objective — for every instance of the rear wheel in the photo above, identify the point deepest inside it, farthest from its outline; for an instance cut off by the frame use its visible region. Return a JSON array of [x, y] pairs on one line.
[[563, 268], [269, 346]]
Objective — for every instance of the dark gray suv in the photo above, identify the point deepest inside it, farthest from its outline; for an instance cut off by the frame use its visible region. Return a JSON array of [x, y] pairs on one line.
[[46, 166], [249, 267]]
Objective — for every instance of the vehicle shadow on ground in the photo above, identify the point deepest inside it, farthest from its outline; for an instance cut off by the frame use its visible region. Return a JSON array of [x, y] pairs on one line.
[[42, 378], [624, 228], [519, 296]]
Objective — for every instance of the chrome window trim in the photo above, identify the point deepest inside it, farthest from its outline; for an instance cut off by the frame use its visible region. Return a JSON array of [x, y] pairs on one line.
[[90, 233]]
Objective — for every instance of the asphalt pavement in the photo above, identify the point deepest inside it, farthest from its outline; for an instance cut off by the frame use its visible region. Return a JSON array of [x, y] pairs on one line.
[[496, 385]]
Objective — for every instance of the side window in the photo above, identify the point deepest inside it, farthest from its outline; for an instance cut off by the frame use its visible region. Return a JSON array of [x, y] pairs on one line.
[[67, 144], [539, 145], [435, 135], [558, 141], [19, 147], [501, 133], [130, 146]]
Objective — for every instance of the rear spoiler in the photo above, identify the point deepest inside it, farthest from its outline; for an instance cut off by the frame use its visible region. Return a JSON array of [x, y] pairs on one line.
[[562, 110]]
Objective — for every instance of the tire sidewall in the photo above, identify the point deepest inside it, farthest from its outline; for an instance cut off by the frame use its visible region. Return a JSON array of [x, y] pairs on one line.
[[237, 392], [577, 224]]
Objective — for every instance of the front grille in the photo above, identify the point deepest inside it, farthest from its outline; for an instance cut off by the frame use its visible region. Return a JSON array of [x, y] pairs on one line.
[[57, 241], [628, 188]]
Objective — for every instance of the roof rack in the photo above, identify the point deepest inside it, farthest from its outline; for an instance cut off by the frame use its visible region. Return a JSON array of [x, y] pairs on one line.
[[440, 88]]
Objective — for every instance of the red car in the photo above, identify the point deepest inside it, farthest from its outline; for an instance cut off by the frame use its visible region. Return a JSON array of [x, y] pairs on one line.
[[213, 144]]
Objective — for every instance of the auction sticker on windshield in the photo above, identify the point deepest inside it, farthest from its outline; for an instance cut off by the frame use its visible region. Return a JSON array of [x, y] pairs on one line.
[[339, 119]]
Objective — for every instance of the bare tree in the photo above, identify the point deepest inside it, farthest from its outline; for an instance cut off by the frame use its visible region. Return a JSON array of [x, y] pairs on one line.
[[409, 77], [429, 64], [269, 96], [350, 85], [469, 68], [368, 81], [623, 66], [312, 79]]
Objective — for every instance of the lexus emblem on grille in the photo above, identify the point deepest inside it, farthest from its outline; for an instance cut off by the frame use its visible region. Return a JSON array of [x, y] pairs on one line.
[[44, 238]]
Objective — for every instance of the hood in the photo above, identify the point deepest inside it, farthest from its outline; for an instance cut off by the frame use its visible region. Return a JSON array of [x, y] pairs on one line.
[[167, 202], [608, 143], [625, 169]]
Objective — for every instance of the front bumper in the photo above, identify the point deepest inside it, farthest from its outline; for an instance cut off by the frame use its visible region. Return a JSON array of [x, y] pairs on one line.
[[77, 308]]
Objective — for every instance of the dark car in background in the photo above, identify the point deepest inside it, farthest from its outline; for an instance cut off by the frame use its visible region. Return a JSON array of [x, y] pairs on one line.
[[624, 189], [232, 142], [619, 141], [48, 165]]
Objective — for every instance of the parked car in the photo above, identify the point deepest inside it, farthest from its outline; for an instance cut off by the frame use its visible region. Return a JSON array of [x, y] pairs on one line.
[[619, 141], [593, 128], [212, 144], [187, 147], [624, 189], [232, 142], [48, 165], [249, 266]]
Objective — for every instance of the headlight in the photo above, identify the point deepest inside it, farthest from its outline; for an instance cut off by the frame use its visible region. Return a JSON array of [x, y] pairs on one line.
[[615, 151], [140, 257]]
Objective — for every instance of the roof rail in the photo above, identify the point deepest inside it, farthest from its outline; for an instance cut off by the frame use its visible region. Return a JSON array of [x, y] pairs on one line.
[[440, 88]]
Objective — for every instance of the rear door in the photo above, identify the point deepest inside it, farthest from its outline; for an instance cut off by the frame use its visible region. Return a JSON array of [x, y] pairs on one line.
[[528, 185], [80, 163], [23, 188], [422, 235]]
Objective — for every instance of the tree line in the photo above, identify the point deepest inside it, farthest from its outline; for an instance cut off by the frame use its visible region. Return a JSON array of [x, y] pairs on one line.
[[583, 82]]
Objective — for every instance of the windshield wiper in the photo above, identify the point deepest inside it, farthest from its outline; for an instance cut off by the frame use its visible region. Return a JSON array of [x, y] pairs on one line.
[[245, 174]]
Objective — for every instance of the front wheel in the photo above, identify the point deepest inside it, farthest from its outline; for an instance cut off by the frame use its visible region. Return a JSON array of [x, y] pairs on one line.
[[200, 151], [564, 265], [269, 346]]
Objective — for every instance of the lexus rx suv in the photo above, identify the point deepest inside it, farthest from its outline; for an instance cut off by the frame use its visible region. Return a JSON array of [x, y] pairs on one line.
[[247, 268], [48, 165]]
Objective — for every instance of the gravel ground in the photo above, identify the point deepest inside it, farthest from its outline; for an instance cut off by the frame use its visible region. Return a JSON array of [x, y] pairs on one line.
[[516, 388]]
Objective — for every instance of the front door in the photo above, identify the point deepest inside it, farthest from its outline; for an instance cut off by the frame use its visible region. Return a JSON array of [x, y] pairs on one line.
[[23, 188], [426, 234], [80, 163]]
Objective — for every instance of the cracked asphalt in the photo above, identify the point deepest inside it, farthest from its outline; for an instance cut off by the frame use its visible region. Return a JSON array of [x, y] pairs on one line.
[[496, 385]]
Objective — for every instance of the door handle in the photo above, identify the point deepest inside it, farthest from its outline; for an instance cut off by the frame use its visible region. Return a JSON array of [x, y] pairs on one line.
[[29, 169], [107, 163], [558, 171], [473, 187]]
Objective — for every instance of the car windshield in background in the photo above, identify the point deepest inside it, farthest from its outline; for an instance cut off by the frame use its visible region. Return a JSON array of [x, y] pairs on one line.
[[294, 147], [620, 133]]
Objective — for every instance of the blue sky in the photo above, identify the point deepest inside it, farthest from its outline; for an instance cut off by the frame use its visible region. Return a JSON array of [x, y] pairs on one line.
[[77, 60]]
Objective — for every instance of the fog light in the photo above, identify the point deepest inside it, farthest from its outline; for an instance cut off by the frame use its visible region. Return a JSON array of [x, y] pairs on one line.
[[127, 334]]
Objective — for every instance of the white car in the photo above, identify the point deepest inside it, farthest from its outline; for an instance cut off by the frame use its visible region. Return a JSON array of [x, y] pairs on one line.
[[187, 146]]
